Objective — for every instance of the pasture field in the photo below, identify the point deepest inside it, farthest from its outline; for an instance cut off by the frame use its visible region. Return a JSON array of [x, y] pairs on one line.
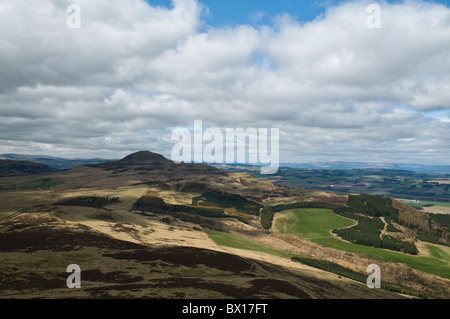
[[425, 203], [234, 241], [433, 207], [440, 252], [442, 204], [315, 225], [311, 223]]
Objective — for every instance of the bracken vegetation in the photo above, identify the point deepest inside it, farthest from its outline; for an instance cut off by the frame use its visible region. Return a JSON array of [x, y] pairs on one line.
[[348, 273], [432, 228]]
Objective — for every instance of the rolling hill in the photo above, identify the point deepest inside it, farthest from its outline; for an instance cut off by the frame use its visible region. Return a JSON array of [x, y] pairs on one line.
[[55, 162], [199, 228], [17, 168]]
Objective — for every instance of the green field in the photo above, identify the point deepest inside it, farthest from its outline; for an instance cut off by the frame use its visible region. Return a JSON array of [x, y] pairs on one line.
[[443, 204], [234, 241], [427, 203], [312, 223], [315, 225], [439, 252], [46, 183]]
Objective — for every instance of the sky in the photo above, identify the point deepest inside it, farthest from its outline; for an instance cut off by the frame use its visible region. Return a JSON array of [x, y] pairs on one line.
[[135, 70], [219, 13]]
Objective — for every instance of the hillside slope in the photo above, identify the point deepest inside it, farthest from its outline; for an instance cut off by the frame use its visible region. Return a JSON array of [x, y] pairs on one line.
[[55, 162], [114, 267], [18, 168], [85, 216]]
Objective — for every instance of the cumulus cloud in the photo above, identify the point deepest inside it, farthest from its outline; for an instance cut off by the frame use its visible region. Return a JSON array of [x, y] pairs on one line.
[[336, 88]]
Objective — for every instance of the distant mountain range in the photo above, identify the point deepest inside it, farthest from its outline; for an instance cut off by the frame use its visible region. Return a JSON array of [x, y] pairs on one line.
[[17, 168], [55, 162], [65, 163], [418, 168]]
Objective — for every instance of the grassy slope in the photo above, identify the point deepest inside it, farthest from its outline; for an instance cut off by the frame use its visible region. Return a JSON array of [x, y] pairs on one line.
[[443, 204], [234, 241], [428, 203], [312, 223], [440, 252], [316, 225]]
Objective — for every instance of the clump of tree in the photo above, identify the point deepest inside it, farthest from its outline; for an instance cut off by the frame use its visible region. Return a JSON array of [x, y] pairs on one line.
[[392, 229], [428, 227], [152, 203], [393, 243], [267, 218], [432, 228], [226, 200], [366, 232], [158, 206], [411, 218], [89, 201], [441, 219], [370, 205]]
